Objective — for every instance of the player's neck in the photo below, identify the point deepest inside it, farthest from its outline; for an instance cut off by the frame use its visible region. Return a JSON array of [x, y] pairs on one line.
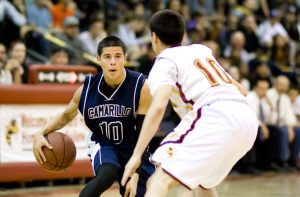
[[161, 47]]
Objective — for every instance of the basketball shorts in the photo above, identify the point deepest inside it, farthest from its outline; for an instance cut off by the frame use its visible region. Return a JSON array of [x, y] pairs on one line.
[[104, 153], [207, 143]]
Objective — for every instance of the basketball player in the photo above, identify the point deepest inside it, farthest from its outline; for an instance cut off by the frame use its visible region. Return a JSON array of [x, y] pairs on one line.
[[217, 127], [113, 104]]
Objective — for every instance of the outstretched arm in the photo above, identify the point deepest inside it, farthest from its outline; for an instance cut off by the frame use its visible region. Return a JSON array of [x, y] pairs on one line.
[[150, 125], [240, 88], [144, 104], [58, 122]]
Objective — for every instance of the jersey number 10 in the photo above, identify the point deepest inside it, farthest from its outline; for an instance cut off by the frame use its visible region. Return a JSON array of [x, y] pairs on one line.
[[113, 131], [212, 76]]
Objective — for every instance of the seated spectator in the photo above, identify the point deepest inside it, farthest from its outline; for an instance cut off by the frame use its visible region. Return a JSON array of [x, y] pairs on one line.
[[266, 115], [281, 52], [91, 38], [39, 15], [286, 119], [60, 11], [234, 71], [194, 36], [215, 49], [132, 32], [248, 26], [10, 72], [59, 56], [262, 71], [146, 61], [17, 55], [9, 15], [70, 36], [269, 28], [237, 45], [264, 55]]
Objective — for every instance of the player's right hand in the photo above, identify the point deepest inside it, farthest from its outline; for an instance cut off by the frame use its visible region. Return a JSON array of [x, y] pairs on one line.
[[38, 142]]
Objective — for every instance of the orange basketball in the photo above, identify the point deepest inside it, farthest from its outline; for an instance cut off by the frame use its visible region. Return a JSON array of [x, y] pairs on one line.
[[63, 152]]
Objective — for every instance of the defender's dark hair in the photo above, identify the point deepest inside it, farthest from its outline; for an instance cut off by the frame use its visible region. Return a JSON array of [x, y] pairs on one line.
[[111, 41], [169, 26]]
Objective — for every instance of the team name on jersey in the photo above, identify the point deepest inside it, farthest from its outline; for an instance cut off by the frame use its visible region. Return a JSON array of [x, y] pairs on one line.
[[108, 110]]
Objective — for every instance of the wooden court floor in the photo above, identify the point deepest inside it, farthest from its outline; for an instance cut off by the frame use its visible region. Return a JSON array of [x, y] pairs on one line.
[[235, 185]]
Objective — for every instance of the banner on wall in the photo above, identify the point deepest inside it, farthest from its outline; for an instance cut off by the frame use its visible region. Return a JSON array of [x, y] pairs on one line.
[[19, 123]]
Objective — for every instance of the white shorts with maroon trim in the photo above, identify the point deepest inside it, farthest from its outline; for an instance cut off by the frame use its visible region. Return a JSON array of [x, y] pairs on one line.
[[207, 143]]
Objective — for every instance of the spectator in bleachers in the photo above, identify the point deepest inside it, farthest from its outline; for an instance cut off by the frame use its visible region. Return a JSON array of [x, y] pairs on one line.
[[263, 54], [58, 56], [10, 71], [234, 71], [289, 22], [132, 32], [180, 6], [70, 36], [262, 71], [215, 49], [140, 10], [248, 26], [194, 36], [266, 116], [296, 107], [269, 28], [146, 61], [236, 48], [216, 31], [286, 119], [40, 17], [17, 54], [281, 52], [205, 7], [156, 5], [60, 11], [9, 15], [91, 38]]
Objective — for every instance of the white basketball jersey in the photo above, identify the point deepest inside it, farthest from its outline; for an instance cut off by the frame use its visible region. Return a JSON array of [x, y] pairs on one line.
[[196, 76]]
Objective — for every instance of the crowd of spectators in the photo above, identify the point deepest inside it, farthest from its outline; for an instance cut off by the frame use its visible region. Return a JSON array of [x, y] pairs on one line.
[[255, 41]]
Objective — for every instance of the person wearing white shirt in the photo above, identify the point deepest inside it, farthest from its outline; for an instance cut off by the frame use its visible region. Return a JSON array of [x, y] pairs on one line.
[[286, 118], [269, 28], [7, 8], [271, 141], [91, 38]]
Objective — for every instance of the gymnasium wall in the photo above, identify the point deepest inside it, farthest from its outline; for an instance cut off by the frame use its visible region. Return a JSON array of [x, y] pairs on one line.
[[25, 109]]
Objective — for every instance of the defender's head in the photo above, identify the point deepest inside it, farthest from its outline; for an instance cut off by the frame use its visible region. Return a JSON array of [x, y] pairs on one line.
[[169, 27]]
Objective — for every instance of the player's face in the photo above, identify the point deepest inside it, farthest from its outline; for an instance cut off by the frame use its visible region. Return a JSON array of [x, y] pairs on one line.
[[112, 61]]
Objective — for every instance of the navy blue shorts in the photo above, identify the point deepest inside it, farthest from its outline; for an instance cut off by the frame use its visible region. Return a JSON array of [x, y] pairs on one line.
[[119, 157]]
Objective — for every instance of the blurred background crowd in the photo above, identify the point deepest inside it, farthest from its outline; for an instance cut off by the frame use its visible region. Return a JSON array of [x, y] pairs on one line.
[[255, 41]]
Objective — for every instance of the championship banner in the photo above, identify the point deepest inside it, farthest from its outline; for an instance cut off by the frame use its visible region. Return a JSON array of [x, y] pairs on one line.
[[19, 123]]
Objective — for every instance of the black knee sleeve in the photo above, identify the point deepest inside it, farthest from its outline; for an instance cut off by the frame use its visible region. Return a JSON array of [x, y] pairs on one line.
[[105, 177]]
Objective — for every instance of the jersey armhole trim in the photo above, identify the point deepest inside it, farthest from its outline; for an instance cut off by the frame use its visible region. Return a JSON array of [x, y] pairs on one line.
[[134, 110], [86, 93]]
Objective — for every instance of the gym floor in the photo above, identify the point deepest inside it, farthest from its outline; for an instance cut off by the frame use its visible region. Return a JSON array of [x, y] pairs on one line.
[[235, 185]]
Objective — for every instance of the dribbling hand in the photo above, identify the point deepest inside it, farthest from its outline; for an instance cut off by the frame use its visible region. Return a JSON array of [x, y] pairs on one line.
[[38, 142]]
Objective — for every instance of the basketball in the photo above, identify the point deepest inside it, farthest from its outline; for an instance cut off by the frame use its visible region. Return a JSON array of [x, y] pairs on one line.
[[63, 152]]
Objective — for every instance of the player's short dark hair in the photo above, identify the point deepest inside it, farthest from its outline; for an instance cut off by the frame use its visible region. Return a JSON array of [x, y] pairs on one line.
[[169, 26], [111, 41]]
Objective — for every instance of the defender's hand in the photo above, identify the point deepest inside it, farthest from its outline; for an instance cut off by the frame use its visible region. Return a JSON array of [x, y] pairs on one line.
[[130, 168], [131, 186]]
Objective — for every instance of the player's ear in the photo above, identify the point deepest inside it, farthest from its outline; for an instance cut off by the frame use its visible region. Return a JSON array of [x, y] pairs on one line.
[[154, 37], [98, 58]]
